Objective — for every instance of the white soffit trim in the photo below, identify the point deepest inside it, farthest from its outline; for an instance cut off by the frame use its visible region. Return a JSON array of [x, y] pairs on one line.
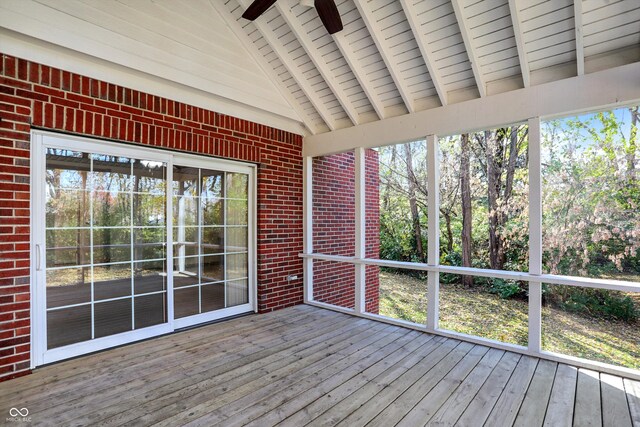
[[613, 87], [32, 49]]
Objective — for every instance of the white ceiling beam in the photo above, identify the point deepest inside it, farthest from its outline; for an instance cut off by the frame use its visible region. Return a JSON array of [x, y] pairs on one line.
[[238, 31], [606, 89], [383, 47], [427, 54], [297, 75], [577, 12], [349, 55], [465, 31], [519, 35], [307, 44]]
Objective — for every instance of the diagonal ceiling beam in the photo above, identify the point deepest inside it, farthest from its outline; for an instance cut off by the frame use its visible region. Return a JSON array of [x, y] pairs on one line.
[[458, 8], [349, 54], [519, 35], [307, 44], [427, 54], [577, 12], [237, 30], [297, 75], [383, 47]]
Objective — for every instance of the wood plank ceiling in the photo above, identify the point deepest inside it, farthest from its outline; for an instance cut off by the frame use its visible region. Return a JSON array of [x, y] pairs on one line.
[[397, 57], [394, 57]]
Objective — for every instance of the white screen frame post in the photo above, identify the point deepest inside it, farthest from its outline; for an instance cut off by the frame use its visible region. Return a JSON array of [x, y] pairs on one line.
[[535, 236], [308, 228], [433, 229], [360, 229]]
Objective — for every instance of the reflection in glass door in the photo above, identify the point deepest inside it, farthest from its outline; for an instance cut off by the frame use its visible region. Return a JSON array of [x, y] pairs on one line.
[[105, 234], [210, 218]]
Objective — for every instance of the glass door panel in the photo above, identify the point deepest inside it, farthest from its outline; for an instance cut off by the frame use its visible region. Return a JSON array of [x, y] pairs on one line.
[[210, 240], [105, 235]]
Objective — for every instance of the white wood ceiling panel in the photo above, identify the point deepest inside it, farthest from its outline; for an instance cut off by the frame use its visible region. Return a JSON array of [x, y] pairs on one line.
[[491, 28], [613, 26], [548, 32], [404, 50], [296, 57], [631, 40], [248, 32], [477, 7], [440, 27], [328, 55], [367, 57], [537, 9]]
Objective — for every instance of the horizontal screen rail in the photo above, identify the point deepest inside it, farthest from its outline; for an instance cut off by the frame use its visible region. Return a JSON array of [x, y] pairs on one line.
[[553, 279]]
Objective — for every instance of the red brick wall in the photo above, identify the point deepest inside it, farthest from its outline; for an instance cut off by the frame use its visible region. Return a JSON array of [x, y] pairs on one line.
[[48, 98], [334, 228], [372, 229]]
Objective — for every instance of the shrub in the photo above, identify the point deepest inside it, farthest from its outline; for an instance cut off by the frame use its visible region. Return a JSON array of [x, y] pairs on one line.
[[594, 302], [505, 288]]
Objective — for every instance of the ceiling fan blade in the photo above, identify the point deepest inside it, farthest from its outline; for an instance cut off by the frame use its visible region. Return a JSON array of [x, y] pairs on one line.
[[257, 8], [328, 12]]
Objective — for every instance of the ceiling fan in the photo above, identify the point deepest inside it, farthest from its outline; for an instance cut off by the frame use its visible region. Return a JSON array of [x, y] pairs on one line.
[[327, 10]]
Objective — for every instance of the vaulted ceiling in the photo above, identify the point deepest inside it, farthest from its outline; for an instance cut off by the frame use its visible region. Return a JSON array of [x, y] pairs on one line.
[[394, 57]]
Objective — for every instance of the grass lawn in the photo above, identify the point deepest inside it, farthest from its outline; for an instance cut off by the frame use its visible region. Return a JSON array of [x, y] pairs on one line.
[[477, 312]]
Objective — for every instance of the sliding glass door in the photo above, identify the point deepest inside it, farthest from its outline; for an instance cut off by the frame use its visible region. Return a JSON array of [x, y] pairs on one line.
[[131, 243]]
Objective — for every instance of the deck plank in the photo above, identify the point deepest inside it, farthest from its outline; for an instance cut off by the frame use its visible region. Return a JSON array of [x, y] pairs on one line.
[[506, 409], [308, 409], [480, 407], [165, 365], [632, 389], [393, 413], [58, 375], [391, 393], [219, 368], [433, 400], [333, 407], [240, 398], [533, 409], [588, 408], [335, 387], [311, 366], [278, 394], [563, 395], [615, 408], [452, 409], [204, 386]]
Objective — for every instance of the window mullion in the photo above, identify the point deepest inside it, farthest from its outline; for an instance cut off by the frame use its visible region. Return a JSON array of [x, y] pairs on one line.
[[535, 235], [360, 232], [433, 248]]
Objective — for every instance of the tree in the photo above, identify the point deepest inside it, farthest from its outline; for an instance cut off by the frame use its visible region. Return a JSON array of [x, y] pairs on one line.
[[465, 192], [413, 204]]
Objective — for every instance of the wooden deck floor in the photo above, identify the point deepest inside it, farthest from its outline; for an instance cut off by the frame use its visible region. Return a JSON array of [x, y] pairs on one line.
[[308, 366]]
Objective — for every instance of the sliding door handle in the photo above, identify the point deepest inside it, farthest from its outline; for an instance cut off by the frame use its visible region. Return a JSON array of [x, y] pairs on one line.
[[38, 257]]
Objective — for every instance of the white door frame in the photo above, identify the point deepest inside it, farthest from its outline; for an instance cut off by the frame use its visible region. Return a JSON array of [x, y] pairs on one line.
[[40, 140]]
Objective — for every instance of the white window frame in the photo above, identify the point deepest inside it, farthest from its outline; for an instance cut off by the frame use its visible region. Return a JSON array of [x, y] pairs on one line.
[[40, 141]]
